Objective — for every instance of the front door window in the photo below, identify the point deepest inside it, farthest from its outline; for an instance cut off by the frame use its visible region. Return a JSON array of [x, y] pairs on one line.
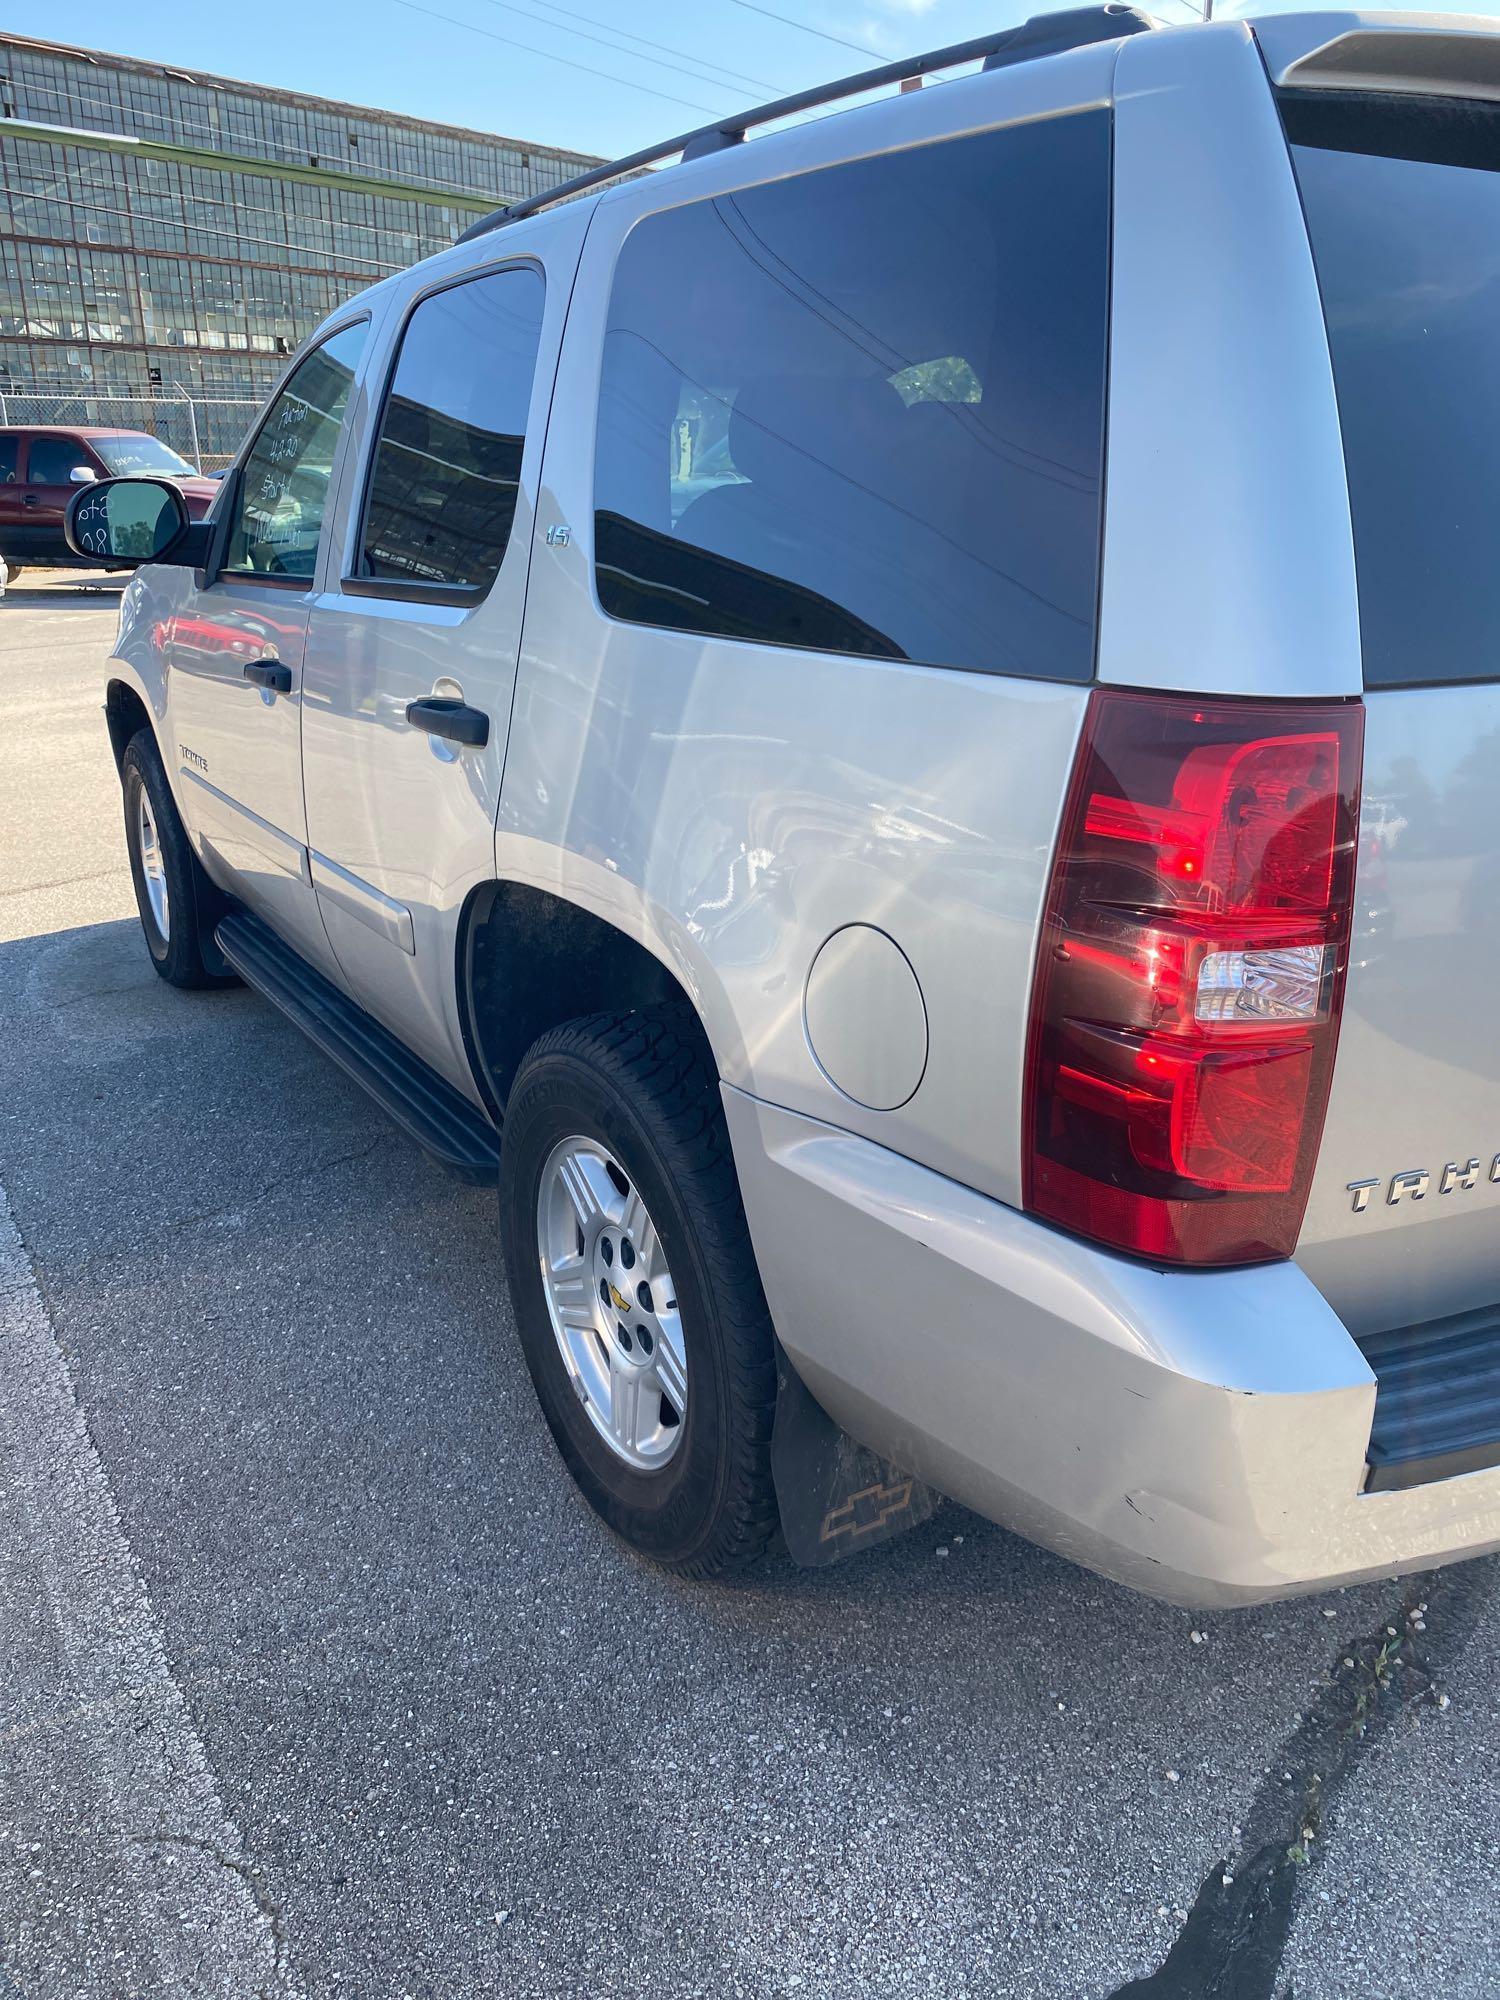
[[283, 494]]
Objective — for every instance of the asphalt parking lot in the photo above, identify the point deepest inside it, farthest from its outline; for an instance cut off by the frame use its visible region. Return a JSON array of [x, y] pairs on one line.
[[316, 1677]]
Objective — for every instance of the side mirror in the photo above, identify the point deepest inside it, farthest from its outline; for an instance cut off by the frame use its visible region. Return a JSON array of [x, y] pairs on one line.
[[129, 522], [82, 475]]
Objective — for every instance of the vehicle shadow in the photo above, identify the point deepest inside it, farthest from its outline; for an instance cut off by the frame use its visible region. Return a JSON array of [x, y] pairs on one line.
[[395, 1621], [65, 594]]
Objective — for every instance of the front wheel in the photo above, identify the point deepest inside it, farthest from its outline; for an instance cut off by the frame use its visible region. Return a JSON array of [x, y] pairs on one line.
[[636, 1293], [176, 900]]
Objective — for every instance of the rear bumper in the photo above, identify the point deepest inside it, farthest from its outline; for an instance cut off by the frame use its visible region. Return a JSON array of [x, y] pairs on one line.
[[1201, 1436]]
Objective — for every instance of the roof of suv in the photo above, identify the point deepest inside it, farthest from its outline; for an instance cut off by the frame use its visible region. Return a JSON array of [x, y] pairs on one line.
[[1040, 35], [1456, 55], [1449, 54]]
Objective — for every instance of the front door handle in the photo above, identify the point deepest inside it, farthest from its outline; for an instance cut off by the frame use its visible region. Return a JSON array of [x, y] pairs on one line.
[[444, 715], [269, 674], [30, 500]]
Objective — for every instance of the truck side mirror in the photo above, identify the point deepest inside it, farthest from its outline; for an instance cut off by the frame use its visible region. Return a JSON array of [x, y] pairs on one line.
[[83, 475], [131, 521]]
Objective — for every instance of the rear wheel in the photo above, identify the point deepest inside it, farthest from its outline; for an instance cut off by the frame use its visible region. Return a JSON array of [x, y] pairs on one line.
[[178, 904], [636, 1293]]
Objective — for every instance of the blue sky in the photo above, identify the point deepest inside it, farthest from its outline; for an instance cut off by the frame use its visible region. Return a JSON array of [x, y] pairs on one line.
[[470, 68]]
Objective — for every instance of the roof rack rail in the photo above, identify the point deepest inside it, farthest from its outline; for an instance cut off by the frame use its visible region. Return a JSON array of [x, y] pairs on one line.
[[1042, 35]]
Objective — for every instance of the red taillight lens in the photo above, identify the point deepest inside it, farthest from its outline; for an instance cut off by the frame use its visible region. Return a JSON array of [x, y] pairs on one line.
[[1190, 974]]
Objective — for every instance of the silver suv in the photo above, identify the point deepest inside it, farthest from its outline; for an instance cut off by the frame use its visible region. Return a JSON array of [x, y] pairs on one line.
[[897, 727]]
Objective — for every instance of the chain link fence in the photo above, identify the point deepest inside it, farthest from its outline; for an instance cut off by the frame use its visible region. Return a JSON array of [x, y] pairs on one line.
[[205, 430]]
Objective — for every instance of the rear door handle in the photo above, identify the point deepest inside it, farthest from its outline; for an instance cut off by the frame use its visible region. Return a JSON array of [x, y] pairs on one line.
[[444, 715], [30, 500], [269, 674]]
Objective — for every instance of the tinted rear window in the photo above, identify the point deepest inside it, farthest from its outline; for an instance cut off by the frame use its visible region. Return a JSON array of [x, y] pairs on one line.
[[447, 466], [1408, 258], [861, 410]]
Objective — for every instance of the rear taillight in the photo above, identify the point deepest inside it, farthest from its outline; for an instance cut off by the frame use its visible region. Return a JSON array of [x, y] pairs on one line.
[[1190, 974]]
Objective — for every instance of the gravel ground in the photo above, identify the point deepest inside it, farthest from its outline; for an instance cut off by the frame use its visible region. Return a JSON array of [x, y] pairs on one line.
[[317, 1678]]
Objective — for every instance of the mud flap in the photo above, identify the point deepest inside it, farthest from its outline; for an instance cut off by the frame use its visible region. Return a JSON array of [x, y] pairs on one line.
[[836, 1497]]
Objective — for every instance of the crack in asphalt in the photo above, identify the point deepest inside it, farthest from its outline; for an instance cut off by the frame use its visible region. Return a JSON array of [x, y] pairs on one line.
[[64, 882], [1235, 1937], [254, 1881], [277, 1186], [242, 1204]]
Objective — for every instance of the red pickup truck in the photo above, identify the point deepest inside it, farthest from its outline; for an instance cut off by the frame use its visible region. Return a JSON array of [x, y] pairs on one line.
[[41, 466]]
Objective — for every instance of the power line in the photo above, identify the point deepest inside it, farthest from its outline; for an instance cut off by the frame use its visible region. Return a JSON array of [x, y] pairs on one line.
[[787, 22], [698, 75], [735, 75], [588, 69]]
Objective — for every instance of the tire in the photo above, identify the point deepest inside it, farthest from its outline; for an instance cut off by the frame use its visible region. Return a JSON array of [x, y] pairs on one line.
[[13, 570], [175, 924], [639, 1088]]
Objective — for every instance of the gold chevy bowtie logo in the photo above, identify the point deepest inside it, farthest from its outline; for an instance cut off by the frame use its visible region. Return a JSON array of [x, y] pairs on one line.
[[872, 1507], [622, 1304]]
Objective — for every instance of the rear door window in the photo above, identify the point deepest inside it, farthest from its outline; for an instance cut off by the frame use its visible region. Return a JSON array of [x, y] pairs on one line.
[[862, 410], [447, 465], [1403, 208]]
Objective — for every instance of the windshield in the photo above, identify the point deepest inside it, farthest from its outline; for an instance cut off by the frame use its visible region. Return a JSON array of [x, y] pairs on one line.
[[134, 452]]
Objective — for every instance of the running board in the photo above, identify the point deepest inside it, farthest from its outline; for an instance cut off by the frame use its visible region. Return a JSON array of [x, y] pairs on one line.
[[426, 1107]]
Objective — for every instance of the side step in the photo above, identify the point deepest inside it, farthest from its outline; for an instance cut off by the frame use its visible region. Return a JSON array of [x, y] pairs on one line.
[[429, 1110]]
